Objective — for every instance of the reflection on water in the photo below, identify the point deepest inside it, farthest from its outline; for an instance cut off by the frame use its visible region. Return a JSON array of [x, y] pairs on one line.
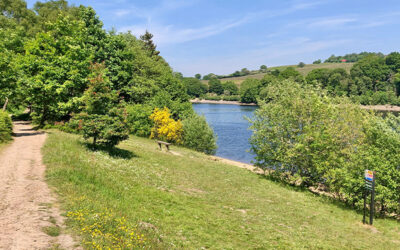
[[231, 128]]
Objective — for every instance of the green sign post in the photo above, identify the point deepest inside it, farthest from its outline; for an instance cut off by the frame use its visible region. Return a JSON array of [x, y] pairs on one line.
[[369, 188]]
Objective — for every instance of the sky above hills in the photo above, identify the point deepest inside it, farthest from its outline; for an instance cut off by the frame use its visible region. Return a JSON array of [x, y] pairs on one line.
[[221, 36]]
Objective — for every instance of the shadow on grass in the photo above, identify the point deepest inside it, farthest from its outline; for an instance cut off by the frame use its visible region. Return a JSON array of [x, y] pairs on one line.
[[114, 152]]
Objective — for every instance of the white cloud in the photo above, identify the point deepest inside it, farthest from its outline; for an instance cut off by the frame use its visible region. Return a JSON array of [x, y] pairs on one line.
[[293, 51], [120, 13], [332, 22], [150, 13], [170, 34], [306, 5]]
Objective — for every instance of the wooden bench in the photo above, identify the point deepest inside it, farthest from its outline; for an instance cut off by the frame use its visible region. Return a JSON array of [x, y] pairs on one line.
[[163, 143]]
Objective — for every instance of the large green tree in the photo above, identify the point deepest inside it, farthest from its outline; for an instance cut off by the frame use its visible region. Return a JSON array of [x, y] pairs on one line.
[[249, 90], [56, 66], [15, 13], [102, 118], [149, 45], [215, 86], [195, 87], [375, 69], [230, 88]]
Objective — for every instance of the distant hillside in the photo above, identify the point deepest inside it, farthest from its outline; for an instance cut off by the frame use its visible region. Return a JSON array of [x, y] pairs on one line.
[[304, 71]]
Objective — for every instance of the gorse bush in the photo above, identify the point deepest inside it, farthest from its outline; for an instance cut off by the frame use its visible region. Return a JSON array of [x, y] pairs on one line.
[[165, 128], [5, 126], [304, 136], [198, 135]]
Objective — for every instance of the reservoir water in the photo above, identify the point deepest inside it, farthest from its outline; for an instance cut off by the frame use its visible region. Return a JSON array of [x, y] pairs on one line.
[[231, 128]]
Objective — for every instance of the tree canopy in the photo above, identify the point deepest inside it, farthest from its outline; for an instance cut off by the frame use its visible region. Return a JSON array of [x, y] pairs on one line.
[[47, 51]]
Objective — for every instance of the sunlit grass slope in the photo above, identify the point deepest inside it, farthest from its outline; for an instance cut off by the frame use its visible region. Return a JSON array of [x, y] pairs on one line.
[[304, 70], [185, 200]]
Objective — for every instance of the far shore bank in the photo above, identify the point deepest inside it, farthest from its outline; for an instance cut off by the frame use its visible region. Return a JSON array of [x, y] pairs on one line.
[[203, 101], [389, 108]]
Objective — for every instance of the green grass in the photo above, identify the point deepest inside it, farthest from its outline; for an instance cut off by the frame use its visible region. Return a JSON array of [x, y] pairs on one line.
[[53, 231], [189, 201], [3, 145], [304, 71]]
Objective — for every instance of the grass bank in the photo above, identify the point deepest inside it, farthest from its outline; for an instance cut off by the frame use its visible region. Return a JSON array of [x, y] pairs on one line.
[[304, 71], [140, 196]]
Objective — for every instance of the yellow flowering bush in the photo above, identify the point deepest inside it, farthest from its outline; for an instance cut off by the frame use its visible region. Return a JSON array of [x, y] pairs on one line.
[[100, 230], [166, 128]]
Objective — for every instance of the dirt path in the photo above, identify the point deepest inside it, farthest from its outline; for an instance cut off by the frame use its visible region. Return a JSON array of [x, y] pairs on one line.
[[26, 205]]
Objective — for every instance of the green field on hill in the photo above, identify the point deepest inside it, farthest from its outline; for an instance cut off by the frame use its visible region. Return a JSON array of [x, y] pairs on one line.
[[304, 71], [184, 200]]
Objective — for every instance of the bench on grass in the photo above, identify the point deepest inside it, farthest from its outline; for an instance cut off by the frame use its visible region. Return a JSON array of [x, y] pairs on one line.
[[163, 143]]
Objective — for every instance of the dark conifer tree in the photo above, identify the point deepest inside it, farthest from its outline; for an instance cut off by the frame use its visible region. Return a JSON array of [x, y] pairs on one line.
[[149, 44]]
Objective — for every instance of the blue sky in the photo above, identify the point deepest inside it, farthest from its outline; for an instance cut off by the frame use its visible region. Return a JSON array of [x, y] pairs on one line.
[[221, 36]]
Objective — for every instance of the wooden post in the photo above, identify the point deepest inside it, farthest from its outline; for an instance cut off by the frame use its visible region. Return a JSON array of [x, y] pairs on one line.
[[372, 206], [365, 205]]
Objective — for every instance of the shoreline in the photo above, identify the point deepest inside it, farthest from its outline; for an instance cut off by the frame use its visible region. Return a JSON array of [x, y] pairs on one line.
[[203, 101], [239, 164], [389, 108]]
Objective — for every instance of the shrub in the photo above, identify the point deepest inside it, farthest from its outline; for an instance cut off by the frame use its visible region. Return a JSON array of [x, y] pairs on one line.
[[198, 135], [317, 61], [178, 108], [291, 73], [384, 97], [301, 65], [380, 152], [303, 136], [165, 128], [138, 119], [108, 129], [212, 98], [5, 126], [231, 98], [263, 68]]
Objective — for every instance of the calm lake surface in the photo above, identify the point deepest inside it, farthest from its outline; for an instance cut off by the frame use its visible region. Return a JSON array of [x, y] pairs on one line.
[[231, 128]]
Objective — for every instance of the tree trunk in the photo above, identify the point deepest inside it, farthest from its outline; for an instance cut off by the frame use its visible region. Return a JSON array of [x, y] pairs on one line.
[[94, 141], [5, 104]]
